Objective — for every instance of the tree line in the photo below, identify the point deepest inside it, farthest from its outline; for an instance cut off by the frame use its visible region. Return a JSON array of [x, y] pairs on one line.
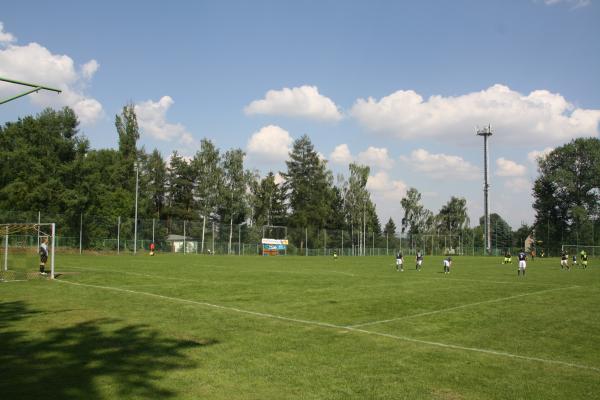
[[48, 166]]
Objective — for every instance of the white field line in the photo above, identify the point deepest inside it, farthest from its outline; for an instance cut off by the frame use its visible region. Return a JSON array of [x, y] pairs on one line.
[[346, 328], [459, 307], [14, 280], [486, 281]]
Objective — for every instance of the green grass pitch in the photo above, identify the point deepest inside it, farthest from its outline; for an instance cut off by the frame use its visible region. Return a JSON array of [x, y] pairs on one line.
[[200, 327]]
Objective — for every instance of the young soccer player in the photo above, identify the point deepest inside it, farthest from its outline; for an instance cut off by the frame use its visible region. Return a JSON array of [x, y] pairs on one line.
[[151, 249], [399, 261], [447, 264], [522, 262], [575, 260], [583, 259], [43, 256], [564, 261], [419, 259], [335, 254], [507, 257]]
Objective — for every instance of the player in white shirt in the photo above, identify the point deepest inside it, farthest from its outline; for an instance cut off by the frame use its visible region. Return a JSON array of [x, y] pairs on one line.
[[399, 261], [43, 255], [447, 264]]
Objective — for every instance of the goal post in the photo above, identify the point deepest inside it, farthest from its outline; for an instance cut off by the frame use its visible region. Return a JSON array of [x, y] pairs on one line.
[[576, 249], [21, 250]]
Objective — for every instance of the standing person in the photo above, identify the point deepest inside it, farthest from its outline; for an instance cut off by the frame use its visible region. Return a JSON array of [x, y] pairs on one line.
[[575, 260], [564, 260], [583, 259], [507, 257], [522, 262], [447, 264], [151, 249], [43, 255], [335, 254], [399, 261], [419, 260]]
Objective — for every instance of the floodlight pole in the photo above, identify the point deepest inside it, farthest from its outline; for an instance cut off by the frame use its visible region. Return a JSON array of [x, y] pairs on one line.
[[486, 132], [137, 173], [36, 88]]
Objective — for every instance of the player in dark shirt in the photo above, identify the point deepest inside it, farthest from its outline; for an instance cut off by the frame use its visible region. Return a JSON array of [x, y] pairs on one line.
[[564, 261], [584, 259], [399, 262], [522, 263], [419, 260]]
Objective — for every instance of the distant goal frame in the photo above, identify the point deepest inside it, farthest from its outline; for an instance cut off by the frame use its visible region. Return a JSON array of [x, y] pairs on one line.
[[24, 227]]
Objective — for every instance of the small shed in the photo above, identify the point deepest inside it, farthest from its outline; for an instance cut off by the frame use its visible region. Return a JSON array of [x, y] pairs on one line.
[[177, 244]]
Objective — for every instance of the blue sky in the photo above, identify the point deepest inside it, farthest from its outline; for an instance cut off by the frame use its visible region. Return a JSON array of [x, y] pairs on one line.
[[401, 86]]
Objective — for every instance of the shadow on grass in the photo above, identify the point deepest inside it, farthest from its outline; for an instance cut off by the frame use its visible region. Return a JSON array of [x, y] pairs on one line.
[[73, 361]]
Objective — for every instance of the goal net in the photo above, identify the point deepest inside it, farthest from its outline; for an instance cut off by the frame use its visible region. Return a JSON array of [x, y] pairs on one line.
[[576, 249], [24, 248], [274, 240]]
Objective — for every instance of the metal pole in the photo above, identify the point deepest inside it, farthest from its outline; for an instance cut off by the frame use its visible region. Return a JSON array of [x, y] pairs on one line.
[[213, 238], [137, 172], [239, 239], [52, 252], [342, 253], [119, 235], [38, 229], [80, 230], [6, 250], [306, 239], [203, 225], [184, 250], [387, 239], [486, 132], [152, 230]]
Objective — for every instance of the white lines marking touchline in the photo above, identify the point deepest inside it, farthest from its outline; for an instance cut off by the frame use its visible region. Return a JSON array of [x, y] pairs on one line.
[[333, 326], [459, 307]]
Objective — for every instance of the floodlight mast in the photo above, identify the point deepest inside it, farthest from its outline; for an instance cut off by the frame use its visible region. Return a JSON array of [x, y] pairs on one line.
[[36, 88], [486, 132]]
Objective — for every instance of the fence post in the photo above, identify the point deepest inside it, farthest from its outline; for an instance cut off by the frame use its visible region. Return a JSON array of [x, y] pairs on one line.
[[119, 235], [6, 250], [213, 238], [152, 230], [342, 253], [38, 229], [184, 250], [306, 240], [80, 230]]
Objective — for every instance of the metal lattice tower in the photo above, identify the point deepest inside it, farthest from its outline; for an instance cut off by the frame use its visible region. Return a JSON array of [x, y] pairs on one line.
[[486, 132]]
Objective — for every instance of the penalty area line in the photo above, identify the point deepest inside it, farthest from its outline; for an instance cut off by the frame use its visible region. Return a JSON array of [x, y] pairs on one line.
[[338, 327], [458, 307]]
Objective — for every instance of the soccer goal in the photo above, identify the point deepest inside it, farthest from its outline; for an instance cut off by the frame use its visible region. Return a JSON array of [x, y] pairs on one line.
[[24, 247], [591, 251], [274, 240]]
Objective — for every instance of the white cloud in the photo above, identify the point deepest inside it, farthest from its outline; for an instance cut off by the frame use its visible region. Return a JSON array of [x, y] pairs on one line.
[[152, 119], [376, 157], [304, 101], [533, 156], [89, 69], [509, 168], [341, 155], [35, 63], [270, 143], [385, 188], [6, 37], [518, 185], [572, 3], [441, 166], [540, 116]]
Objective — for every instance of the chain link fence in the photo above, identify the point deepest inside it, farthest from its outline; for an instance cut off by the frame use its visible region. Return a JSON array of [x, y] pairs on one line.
[[85, 232]]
